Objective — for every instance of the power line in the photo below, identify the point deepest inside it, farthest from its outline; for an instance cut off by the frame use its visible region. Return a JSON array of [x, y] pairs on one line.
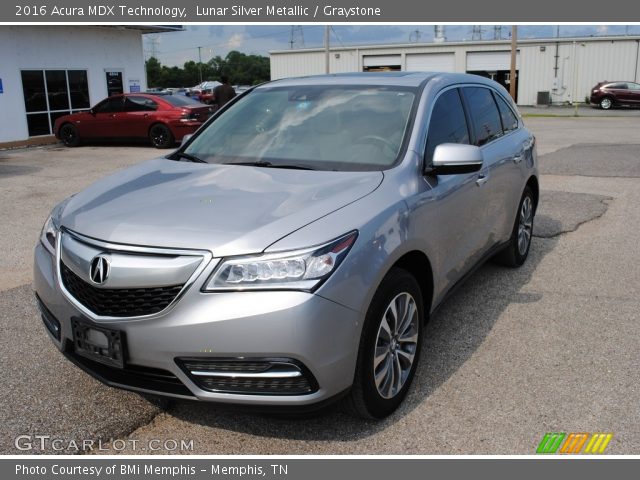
[[223, 44], [335, 34]]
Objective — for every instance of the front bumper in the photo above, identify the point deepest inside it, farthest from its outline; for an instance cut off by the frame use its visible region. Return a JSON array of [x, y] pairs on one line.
[[312, 331]]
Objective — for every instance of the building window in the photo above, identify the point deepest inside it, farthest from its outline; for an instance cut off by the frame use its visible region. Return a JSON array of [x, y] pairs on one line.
[[49, 94]]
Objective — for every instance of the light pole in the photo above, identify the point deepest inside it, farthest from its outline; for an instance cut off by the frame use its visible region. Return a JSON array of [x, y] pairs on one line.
[[514, 50], [200, 62], [326, 48]]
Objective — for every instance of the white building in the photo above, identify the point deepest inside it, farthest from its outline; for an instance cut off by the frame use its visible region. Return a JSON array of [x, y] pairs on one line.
[[48, 71], [562, 70]]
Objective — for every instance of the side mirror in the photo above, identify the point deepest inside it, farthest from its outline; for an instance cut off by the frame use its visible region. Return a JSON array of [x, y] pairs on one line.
[[186, 138], [455, 158], [92, 111]]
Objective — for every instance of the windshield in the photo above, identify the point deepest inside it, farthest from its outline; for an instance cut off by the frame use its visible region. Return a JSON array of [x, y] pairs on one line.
[[318, 127]]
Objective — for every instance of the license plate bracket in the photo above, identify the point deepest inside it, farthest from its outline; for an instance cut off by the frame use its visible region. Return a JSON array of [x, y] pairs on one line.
[[97, 343]]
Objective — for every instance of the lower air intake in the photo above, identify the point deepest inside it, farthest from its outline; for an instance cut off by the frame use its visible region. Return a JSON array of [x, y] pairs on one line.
[[250, 376]]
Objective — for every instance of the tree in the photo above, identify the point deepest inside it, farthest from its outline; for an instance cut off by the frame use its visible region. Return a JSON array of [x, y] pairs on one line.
[[241, 69], [154, 71]]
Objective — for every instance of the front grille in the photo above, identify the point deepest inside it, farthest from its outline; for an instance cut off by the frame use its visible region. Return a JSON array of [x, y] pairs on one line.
[[118, 302], [263, 376]]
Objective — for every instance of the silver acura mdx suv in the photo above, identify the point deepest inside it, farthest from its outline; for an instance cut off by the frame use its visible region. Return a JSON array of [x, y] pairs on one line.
[[290, 252]]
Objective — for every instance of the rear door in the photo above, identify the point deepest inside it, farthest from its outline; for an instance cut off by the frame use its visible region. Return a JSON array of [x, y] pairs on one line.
[[102, 123], [137, 116], [504, 147]]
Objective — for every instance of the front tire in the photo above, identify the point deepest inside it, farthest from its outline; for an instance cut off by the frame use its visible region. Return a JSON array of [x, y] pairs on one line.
[[517, 250], [389, 347], [69, 135], [160, 136]]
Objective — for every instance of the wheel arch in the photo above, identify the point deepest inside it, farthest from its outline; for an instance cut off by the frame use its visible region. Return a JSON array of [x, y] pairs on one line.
[[533, 184], [417, 264], [156, 123]]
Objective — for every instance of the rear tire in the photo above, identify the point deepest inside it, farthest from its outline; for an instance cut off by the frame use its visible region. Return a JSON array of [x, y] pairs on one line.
[[160, 136], [517, 250], [69, 135], [389, 348]]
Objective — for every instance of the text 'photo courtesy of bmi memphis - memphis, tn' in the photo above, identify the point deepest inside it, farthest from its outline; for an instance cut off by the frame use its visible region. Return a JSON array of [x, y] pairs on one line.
[[289, 253]]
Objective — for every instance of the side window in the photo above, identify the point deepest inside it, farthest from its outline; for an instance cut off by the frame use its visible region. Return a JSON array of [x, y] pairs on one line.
[[484, 114], [633, 86], [448, 123], [617, 86], [139, 104], [110, 105], [509, 120]]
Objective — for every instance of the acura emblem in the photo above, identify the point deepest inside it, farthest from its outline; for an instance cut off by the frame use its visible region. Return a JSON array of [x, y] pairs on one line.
[[99, 270]]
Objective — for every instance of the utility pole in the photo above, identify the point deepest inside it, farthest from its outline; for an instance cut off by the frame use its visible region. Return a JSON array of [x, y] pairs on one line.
[[514, 50], [326, 49], [200, 62]]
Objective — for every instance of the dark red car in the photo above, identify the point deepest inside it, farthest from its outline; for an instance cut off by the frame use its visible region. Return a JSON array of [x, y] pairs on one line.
[[206, 96], [612, 94], [163, 120]]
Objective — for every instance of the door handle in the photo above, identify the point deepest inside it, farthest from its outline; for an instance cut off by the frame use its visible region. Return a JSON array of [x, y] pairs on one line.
[[482, 179]]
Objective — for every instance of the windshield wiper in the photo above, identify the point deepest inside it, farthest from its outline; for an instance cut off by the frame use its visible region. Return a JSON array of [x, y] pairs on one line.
[[264, 163], [188, 156]]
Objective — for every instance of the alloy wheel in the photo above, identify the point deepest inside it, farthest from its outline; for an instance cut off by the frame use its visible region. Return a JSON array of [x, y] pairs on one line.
[[606, 103], [159, 136], [525, 225], [396, 345]]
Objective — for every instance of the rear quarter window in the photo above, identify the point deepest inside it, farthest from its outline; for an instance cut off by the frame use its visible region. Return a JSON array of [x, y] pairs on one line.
[[509, 119]]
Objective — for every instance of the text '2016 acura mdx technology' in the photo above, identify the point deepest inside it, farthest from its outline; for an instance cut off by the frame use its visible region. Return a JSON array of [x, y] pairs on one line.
[[290, 252]]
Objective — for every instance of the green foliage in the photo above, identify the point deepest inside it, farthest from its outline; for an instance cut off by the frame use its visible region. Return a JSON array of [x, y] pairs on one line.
[[241, 69]]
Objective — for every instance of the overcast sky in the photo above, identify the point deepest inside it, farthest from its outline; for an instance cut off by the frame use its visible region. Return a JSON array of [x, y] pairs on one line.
[[175, 48]]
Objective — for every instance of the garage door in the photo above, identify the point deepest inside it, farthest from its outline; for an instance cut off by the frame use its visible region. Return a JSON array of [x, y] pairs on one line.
[[381, 61], [489, 61], [431, 62]]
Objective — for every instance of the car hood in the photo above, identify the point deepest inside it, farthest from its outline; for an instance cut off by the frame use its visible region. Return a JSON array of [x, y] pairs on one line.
[[226, 209]]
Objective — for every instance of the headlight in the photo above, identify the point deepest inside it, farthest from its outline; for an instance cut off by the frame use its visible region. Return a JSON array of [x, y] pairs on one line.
[[49, 232], [48, 235], [292, 270]]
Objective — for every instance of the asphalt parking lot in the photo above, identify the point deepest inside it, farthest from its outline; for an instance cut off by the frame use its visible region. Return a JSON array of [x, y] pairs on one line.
[[550, 347]]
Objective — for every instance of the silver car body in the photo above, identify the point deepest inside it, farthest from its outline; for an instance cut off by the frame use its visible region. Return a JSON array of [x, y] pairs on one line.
[[164, 223]]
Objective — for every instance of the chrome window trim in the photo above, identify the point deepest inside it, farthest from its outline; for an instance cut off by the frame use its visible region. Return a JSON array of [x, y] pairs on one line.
[[206, 261]]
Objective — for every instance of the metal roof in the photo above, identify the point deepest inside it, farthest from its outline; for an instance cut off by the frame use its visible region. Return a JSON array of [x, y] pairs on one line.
[[469, 43]]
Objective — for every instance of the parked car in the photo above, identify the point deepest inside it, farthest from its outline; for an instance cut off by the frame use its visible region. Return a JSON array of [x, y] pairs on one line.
[[207, 96], [159, 91], [198, 89], [162, 120], [289, 253], [612, 94]]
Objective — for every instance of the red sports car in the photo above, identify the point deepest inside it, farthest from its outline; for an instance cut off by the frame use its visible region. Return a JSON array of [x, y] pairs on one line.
[[163, 120]]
